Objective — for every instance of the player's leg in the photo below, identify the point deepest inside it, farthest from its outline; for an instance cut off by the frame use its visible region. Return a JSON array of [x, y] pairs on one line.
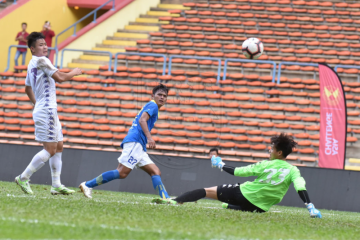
[[45, 132], [55, 163], [198, 194], [127, 162], [232, 207], [17, 55], [23, 57], [222, 193], [36, 163], [232, 198], [191, 196], [155, 174]]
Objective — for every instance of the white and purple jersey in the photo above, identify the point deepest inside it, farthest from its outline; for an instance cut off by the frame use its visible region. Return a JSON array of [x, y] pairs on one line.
[[39, 73]]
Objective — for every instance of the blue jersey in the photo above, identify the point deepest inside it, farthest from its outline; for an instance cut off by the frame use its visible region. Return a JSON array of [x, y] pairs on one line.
[[136, 134]]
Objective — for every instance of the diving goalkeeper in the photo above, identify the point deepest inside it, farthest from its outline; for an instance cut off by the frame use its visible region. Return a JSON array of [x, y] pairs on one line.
[[273, 180]]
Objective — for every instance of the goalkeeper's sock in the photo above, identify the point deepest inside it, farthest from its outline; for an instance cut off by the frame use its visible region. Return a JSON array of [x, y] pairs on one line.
[[191, 196], [159, 187], [103, 178]]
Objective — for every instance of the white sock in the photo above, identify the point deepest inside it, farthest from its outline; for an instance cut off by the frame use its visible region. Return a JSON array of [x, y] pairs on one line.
[[36, 163], [55, 166]]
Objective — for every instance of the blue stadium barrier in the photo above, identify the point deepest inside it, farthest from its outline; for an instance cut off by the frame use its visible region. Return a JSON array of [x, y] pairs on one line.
[[141, 54], [194, 57], [250, 61], [9, 51], [94, 12], [293, 63], [82, 50], [346, 66]]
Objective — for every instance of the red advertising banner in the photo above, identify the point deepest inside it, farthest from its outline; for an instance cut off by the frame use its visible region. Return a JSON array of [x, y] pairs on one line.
[[333, 119]]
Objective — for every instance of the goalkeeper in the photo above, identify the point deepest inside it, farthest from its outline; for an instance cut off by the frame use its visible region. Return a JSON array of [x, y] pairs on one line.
[[273, 180]]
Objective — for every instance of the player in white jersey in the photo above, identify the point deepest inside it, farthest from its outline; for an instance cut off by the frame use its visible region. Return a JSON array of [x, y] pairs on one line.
[[40, 87]]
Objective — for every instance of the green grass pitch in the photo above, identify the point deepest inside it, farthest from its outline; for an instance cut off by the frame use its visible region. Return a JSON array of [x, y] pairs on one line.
[[119, 215]]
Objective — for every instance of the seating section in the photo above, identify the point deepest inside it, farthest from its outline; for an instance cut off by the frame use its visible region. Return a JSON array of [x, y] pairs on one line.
[[238, 114], [4, 4]]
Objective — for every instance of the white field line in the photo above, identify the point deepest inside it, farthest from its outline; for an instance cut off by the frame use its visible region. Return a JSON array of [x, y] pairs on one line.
[[136, 203], [65, 224], [104, 226]]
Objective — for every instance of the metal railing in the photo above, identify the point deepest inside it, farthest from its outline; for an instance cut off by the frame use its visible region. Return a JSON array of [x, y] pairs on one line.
[[195, 57], [171, 57], [140, 54], [293, 63], [81, 50], [94, 12], [249, 61], [346, 66], [9, 53]]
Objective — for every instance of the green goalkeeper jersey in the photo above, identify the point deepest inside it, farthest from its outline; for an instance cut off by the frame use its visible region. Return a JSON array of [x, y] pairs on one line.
[[273, 180]]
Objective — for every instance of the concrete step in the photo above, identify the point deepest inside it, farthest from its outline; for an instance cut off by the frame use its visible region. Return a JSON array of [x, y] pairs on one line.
[[113, 47], [172, 6], [145, 24], [122, 39], [150, 20], [142, 28], [94, 58], [162, 14], [119, 43], [131, 35], [108, 49], [354, 160], [84, 65], [353, 168]]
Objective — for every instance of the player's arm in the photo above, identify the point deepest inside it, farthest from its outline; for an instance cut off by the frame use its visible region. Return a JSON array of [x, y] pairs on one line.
[[28, 89], [144, 126], [17, 38], [250, 170], [30, 94], [62, 77], [299, 185]]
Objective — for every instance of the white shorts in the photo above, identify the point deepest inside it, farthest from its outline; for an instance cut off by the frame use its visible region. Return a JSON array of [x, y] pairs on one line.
[[47, 125], [133, 155]]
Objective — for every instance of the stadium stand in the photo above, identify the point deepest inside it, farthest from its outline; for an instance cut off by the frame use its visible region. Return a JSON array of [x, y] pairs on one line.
[[239, 114], [4, 4]]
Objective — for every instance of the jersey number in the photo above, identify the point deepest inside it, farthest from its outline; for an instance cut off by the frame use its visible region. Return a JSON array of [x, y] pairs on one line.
[[284, 172], [132, 160], [34, 71]]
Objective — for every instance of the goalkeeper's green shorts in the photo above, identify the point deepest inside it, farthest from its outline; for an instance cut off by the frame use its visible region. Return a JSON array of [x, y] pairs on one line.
[[231, 194]]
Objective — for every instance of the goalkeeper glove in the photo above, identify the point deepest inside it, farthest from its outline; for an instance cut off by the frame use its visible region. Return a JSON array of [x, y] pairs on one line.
[[314, 213], [216, 162]]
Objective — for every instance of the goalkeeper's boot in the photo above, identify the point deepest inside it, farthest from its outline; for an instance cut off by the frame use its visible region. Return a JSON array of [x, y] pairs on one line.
[[61, 190], [314, 213], [86, 190], [164, 201], [230, 206], [24, 185]]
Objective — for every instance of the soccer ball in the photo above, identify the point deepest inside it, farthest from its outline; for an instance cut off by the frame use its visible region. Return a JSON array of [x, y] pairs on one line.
[[252, 48]]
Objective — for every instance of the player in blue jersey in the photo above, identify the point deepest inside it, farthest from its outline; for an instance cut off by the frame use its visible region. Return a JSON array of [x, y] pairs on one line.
[[134, 147]]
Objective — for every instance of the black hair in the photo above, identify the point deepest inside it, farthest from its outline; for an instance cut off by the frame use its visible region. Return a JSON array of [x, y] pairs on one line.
[[214, 149], [33, 37], [160, 87], [284, 143], [24, 23]]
